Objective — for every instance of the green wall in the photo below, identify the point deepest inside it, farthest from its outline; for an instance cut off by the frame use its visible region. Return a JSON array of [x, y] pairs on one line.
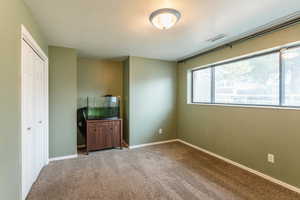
[[13, 13], [97, 78], [244, 135], [126, 100], [62, 102], [152, 94]]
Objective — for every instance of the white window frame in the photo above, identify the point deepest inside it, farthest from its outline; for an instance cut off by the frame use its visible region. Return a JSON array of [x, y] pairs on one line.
[[281, 97]]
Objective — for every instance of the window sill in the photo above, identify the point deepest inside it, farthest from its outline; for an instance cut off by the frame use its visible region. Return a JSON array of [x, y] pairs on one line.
[[246, 106]]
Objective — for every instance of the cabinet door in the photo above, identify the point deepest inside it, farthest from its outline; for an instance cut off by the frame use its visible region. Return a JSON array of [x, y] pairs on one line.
[[92, 136], [117, 134], [99, 135], [107, 133]]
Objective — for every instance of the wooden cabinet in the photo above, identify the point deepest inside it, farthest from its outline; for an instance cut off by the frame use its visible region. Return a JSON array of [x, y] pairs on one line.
[[103, 134]]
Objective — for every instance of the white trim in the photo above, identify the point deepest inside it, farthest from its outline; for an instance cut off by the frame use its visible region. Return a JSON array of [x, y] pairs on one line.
[[153, 143], [267, 177], [28, 38], [245, 106], [63, 157]]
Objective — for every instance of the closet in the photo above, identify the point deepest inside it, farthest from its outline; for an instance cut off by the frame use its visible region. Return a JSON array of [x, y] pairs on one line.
[[34, 97]]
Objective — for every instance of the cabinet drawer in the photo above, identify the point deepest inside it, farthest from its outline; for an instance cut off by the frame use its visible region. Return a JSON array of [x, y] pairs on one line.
[[90, 124], [105, 124], [91, 128]]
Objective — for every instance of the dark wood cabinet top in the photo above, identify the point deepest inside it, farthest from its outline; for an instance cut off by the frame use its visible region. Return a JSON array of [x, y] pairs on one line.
[[103, 120]]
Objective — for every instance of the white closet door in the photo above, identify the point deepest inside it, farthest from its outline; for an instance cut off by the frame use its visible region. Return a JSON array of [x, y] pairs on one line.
[[38, 115], [28, 117], [34, 108]]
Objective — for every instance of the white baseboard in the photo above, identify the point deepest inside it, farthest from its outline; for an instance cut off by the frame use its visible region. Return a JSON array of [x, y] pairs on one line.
[[267, 177], [63, 157], [153, 143]]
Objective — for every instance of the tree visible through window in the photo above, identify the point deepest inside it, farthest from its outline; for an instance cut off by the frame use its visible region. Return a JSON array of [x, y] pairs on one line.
[[270, 79], [291, 64], [250, 81], [202, 85]]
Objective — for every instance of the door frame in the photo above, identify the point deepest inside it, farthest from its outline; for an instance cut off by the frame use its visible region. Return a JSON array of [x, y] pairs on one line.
[[27, 37]]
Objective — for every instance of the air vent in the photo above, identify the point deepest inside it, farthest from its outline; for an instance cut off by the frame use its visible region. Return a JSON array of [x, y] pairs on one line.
[[218, 37]]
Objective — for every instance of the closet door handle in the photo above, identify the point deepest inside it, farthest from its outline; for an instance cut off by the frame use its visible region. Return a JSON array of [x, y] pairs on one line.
[[29, 128], [40, 122]]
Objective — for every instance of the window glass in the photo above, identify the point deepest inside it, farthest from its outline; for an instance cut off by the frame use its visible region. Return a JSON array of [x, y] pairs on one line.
[[291, 64], [252, 81], [202, 86]]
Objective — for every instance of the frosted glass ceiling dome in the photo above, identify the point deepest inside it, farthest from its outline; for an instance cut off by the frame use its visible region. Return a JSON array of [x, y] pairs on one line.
[[164, 18]]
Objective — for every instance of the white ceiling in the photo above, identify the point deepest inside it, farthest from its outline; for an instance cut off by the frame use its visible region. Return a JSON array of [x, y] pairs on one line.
[[117, 28]]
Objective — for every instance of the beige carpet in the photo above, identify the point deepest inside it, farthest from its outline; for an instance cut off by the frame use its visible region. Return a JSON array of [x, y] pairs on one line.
[[161, 172]]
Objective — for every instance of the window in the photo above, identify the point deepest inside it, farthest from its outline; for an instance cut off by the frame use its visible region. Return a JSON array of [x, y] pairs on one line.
[[250, 81], [270, 79], [291, 63], [202, 85]]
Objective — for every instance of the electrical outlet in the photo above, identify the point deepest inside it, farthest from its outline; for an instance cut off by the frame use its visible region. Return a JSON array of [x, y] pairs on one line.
[[160, 131], [271, 158]]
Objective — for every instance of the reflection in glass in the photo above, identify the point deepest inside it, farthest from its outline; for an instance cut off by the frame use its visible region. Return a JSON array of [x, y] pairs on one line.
[[251, 81], [202, 86], [291, 64]]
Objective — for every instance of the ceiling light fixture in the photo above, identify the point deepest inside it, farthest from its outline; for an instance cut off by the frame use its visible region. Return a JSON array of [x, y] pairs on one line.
[[164, 18]]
